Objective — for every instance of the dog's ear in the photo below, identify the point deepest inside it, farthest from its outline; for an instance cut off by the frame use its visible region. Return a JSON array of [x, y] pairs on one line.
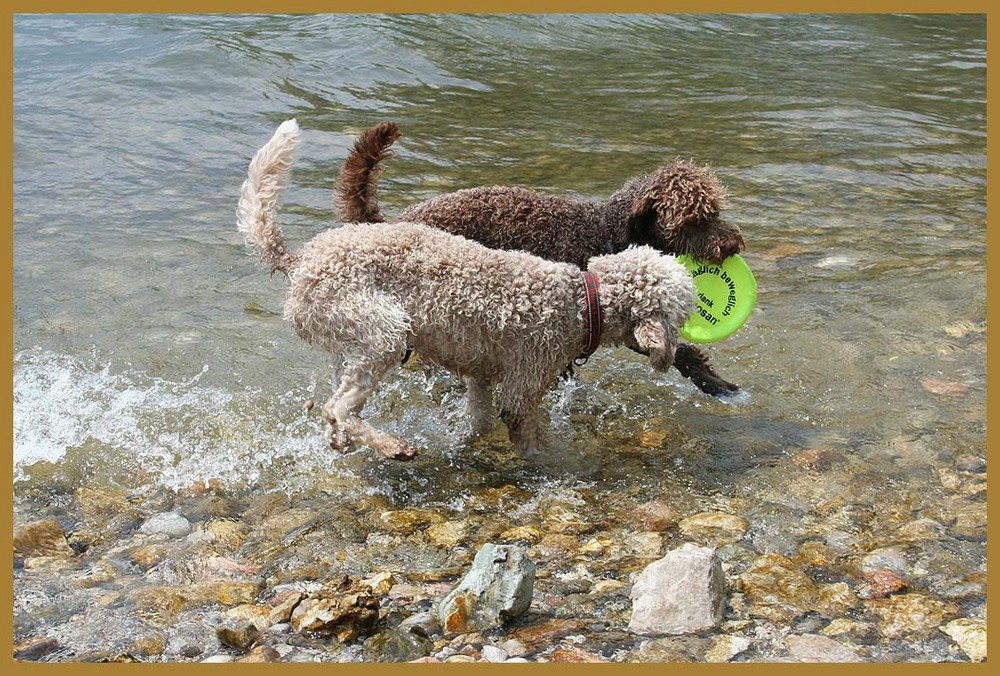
[[659, 341], [642, 221]]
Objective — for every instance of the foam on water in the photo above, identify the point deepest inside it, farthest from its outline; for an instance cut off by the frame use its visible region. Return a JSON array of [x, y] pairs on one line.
[[181, 432]]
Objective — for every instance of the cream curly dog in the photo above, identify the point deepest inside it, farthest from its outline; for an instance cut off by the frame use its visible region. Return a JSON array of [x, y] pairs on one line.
[[506, 321]]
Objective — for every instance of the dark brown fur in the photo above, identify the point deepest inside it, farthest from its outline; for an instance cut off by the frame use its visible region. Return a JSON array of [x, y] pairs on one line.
[[675, 209]]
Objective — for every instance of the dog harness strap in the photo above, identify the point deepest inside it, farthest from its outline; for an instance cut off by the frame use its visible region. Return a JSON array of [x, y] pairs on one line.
[[593, 316]]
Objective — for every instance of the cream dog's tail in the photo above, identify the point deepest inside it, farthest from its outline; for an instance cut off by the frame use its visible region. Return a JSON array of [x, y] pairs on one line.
[[256, 214]]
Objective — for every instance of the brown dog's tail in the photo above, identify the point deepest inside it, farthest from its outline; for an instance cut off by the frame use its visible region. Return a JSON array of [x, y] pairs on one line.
[[356, 199], [256, 213]]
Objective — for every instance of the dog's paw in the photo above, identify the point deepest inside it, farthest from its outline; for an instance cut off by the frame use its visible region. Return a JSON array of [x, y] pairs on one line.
[[399, 450], [336, 438]]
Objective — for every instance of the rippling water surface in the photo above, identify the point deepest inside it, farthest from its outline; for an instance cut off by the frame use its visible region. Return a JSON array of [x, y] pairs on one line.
[[150, 350]]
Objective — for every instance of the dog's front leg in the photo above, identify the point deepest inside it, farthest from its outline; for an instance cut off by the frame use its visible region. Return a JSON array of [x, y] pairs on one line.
[[478, 407], [524, 427], [342, 411]]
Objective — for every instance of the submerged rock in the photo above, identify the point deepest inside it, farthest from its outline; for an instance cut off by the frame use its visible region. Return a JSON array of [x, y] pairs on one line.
[[816, 648], [682, 593], [41, 538], [241, 634], [345, 610], [397, 645], [171, 524], [970, 635], [714, 527], [911, 616], [497, 587], [725, 648]]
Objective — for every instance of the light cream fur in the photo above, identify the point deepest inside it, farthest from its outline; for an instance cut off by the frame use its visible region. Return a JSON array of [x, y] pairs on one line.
[[506, 321]]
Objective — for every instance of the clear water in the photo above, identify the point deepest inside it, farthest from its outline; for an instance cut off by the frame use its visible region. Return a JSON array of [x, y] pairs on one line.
[[149, 348]]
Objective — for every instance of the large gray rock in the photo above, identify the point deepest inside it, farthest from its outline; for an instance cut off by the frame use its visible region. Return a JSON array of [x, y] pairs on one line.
[[682, 593], [497, 587]]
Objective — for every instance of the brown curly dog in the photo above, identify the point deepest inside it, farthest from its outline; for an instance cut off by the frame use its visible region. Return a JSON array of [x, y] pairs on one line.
[[675, 210]]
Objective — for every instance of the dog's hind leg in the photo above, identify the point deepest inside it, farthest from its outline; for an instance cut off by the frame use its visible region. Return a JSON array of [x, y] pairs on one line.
[[358, 382]]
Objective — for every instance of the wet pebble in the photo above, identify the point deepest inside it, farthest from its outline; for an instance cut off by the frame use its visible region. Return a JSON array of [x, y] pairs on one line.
[[655, 516], [170, 524], [343, 609], [44, 538], [911, 616], [725, 648], [238, 633], [714, 527], [816, 648], [970, 636]]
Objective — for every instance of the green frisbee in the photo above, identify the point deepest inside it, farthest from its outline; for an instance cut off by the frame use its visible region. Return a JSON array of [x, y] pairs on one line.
[[726, 295]]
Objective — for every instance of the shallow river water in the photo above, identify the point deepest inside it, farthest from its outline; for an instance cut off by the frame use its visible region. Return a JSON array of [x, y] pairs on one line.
[[153, 372]]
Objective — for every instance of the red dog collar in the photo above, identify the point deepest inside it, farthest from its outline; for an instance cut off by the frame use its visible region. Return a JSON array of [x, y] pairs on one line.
[[593, 317]]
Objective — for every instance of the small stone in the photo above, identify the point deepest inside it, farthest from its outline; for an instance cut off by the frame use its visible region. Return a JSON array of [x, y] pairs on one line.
[[776, 589], [380, 583], [239, 634], [725, 648], [911, 616], [886, 558], [528, 534], [35, 649], [682, 593], [920, 530], [970, 463], [171, 524], [816, 648], [561, 519], [645, 544], [460, 658], [515, 648], [843, 626], [425, 623], [260, 654], [448, 533], [41, 538], [226, 533], [606, 586], [944, 387], [396, 645], [970, 635], [572, 655], [655, 516], [714, 527], [813, 553], [346, 610], [258, 615], [970, 523], [880, 582], [149, 555], [497, 587], [491, 653], [406, 521], [282, 606], [535, 637], [218, 659], [835, 599]]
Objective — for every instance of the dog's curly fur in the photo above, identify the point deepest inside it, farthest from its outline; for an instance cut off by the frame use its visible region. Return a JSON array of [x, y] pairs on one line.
[[506, 321], [676, 209]]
